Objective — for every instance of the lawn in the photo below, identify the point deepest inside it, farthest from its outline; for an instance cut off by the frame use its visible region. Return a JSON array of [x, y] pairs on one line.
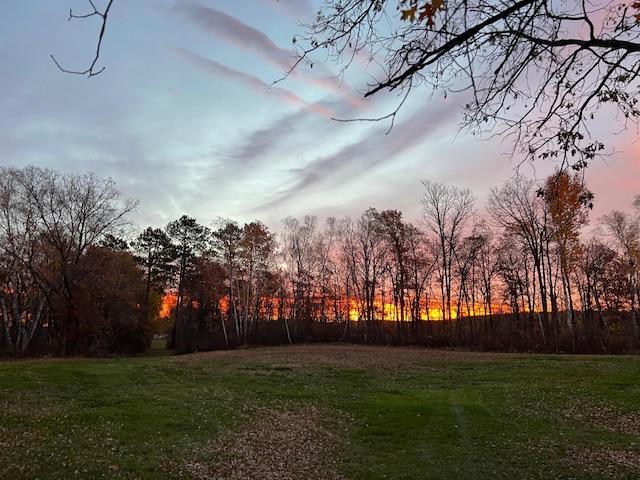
[[322, 412]]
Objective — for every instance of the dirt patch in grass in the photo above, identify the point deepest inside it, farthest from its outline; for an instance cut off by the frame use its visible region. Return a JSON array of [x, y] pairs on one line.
[[283, 445], [387, 359], [603, 415], [608, 463]]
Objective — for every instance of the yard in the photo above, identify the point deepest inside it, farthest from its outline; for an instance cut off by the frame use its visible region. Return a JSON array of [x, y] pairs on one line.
[[322, 412]]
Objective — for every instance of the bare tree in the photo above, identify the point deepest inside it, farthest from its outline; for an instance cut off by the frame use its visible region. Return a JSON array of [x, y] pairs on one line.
[[445, 211], [512, 269], [227, 241], [21, 300], [487, 262], [365, 255], [598, 272], [327, 241], [299, 249], [408, 264], [522, 212], [420, 265], [256, 255], [625, 231], [393, 231], [50, 221]]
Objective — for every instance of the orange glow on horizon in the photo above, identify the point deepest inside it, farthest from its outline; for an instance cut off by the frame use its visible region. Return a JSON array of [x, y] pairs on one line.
[[434, 311], [386, 312], [169, 301]]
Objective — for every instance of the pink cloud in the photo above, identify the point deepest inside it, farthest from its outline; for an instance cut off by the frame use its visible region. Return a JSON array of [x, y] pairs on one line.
[[246, 38], [237, 33]]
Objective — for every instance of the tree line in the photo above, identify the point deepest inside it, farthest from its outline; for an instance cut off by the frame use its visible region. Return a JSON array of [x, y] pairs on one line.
[[519, 276]]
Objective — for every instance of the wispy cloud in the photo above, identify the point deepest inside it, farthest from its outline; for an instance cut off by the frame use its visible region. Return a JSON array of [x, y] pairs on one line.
[[296, 9], [373, 150], [237, 33], [288, 133], [262, 142], [249, 39], [212, 67]]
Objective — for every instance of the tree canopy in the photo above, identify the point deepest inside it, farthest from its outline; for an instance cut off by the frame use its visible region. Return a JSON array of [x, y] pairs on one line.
[[523, 277], [537, 70]]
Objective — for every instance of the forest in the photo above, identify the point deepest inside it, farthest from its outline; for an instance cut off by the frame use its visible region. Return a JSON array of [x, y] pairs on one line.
[[79, 279]]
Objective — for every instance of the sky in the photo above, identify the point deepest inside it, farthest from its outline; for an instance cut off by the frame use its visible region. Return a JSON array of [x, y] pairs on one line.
[[187, 119]]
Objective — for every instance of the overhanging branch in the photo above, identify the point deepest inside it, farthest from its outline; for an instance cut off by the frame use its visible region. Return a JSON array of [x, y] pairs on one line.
[[91, 71]]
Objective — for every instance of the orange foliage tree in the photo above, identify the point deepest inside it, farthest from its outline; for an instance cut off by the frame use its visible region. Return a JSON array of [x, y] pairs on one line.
[[568, 202]]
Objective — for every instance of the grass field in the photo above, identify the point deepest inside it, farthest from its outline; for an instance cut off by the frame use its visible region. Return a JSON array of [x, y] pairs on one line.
[[321, 412]]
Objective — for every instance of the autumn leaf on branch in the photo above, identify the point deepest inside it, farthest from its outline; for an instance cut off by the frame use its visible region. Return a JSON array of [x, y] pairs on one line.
[[409, 14], [636, 6], [427, 10]]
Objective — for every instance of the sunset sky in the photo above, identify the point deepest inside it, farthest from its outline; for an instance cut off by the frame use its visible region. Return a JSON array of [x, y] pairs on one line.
[[185, 117]]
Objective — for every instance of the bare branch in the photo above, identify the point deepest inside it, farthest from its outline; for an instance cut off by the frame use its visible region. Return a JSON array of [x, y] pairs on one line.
[[391, 115], [91, 70], [538, 70]]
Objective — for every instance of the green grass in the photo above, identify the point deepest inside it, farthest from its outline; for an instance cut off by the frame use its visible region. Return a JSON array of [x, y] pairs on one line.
[[157, 349], [391, 413]]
